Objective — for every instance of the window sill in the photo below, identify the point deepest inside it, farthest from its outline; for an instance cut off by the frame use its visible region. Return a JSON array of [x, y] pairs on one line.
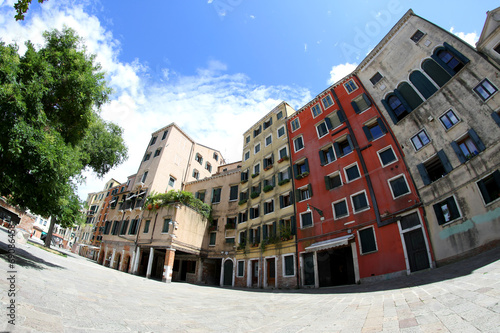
[[402, 195], [368, 252], [362, 210], [491, 202], [340, 217], [307, 227], [459, 219]]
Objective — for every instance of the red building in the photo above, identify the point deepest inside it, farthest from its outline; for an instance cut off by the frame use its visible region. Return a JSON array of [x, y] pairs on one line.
[[358, 214]]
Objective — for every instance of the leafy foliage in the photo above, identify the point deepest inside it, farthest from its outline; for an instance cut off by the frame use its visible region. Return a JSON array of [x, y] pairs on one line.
[[50, 125], [21, 7], [157, 200]]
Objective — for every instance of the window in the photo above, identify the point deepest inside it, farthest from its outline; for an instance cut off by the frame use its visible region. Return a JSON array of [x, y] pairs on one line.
[[269, 140], [240, 271], [422, 83], [144, 176], [247, 155], [306, 220], [200, 195], [417, 36], [301, 169], [333, 181], [283, 152], [213, 236], [352, 172], [196, 174], [435, 168], [147, 156], [446, 210], [256, 169], [216, 157], [340, 209], [343, 146], [350, 86], [288, 265], [285, 200], [171, 181], [231, 223], [304, 193], [123, 230], [268, 206], [268, 161], [437, 73], [283, 175], [449, 119], [367, 242], [335, 119], [157, 152], [387, 156], [244, 195], [399, 187], [133, 227], [316, 110], [216, 195], [153, 140], [146, 226], [322, 129], [295, 124], [497, 48], [257, 131], [490, 187], [107, 227], [279, 115], [375, 78], [361, 103], [208, 166], [420, 140], [244, 176], [199, 158], [326, 155], [256, 188], [298, 143], [374, 129], [327, 101], [256, 148], [166, 225], [233, 193], [281, 131], [468, 146], [359, 202], [268, 123], [254, 212], [485, 89], [242, 217], [247, 139], [397, 110]]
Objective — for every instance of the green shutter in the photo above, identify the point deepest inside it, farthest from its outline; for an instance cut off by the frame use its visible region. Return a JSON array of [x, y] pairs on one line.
[[382, 125], [422, 83], [327, 182], [496, 118], [367, 99], [368, 133], [322, 157], [355, 106], [444, 160], [423, 173], [389, 111], [476, 139], [458, 151]]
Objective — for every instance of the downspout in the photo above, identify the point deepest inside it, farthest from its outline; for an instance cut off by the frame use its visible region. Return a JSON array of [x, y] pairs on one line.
[[188, 166], [361, 160]]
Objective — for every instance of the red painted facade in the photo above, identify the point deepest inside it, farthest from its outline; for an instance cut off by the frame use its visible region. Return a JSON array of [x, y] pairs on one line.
[[364, 199]]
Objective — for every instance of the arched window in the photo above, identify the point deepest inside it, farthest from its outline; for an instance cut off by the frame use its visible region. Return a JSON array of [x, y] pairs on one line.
[[410, 95], [396, 106], [450, 59], [423, 84], [436, 72]]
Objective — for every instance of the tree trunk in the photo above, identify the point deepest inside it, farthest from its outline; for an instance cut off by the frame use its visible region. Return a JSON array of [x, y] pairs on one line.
[[48, 239]]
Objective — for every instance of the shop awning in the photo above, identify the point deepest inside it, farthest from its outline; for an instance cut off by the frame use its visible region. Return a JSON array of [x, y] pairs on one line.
[[330, 243]]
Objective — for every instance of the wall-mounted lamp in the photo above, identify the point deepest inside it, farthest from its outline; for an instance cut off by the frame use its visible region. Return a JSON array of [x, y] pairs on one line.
[[320, 212]]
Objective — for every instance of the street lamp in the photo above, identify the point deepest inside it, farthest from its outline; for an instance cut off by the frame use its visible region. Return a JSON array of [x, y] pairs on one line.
[[320, 212]]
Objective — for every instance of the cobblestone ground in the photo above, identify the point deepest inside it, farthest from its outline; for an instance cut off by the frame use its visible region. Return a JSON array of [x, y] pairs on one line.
[[73, 294]]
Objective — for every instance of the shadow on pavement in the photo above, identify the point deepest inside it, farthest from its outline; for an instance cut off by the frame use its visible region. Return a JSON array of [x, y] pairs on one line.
[[25, 258], [447, 272]]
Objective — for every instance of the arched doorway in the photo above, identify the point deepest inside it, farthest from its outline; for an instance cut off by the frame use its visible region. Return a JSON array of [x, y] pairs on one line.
[[228, 273]]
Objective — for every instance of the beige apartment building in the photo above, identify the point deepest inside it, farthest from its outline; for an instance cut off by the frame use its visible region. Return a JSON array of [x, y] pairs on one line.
[[266, 247], [440, 98]]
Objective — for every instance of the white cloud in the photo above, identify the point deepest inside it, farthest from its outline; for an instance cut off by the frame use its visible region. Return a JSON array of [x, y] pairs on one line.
[[305, 47], [471, 37], [339, 71], [212, 106]]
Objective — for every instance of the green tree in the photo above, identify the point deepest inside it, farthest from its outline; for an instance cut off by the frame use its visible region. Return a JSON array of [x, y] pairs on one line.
[[21, 7], [51, 129]]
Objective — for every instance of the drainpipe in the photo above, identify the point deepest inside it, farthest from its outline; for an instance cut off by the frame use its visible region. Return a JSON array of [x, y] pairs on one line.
[[361, 160]]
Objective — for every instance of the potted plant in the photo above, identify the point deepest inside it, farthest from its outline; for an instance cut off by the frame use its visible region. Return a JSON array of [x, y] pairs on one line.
[[283, 182], [242, 202], [267, 188], [254, 195], [255, 175]]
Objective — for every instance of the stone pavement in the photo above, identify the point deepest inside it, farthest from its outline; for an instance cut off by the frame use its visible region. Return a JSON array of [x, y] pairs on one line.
[[73, 294]]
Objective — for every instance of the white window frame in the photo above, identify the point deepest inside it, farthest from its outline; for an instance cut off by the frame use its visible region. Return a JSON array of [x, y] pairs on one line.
[[407, 185], [383, 150], [323, 101], [244, 155], [319, 108], [481, 194], [255, 147], [416, 135], [347, 90], [335, 217], [337, 172], [326, 148], [253, 207], [317, 129], [278, 131], [345, 172], [170, 178], [374, 236], [293, 261], [265, 140], [455, 114], [352, 203], [274, 206], [312, 220], [291, 124], [256, 165], [281, 148], [303, 145], [209, 238], [304, 187]]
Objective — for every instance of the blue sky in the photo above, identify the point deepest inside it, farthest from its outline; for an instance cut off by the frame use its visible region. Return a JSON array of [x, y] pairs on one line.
[[217, 66]]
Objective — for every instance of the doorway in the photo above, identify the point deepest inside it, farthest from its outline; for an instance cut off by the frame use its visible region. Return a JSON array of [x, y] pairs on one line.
[[255, 273], [228, 273], [271, 272], [335, 267], [415, 245], [308, 269]]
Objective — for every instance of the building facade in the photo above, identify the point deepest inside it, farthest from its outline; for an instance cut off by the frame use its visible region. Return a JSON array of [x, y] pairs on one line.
[[442, 104]]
